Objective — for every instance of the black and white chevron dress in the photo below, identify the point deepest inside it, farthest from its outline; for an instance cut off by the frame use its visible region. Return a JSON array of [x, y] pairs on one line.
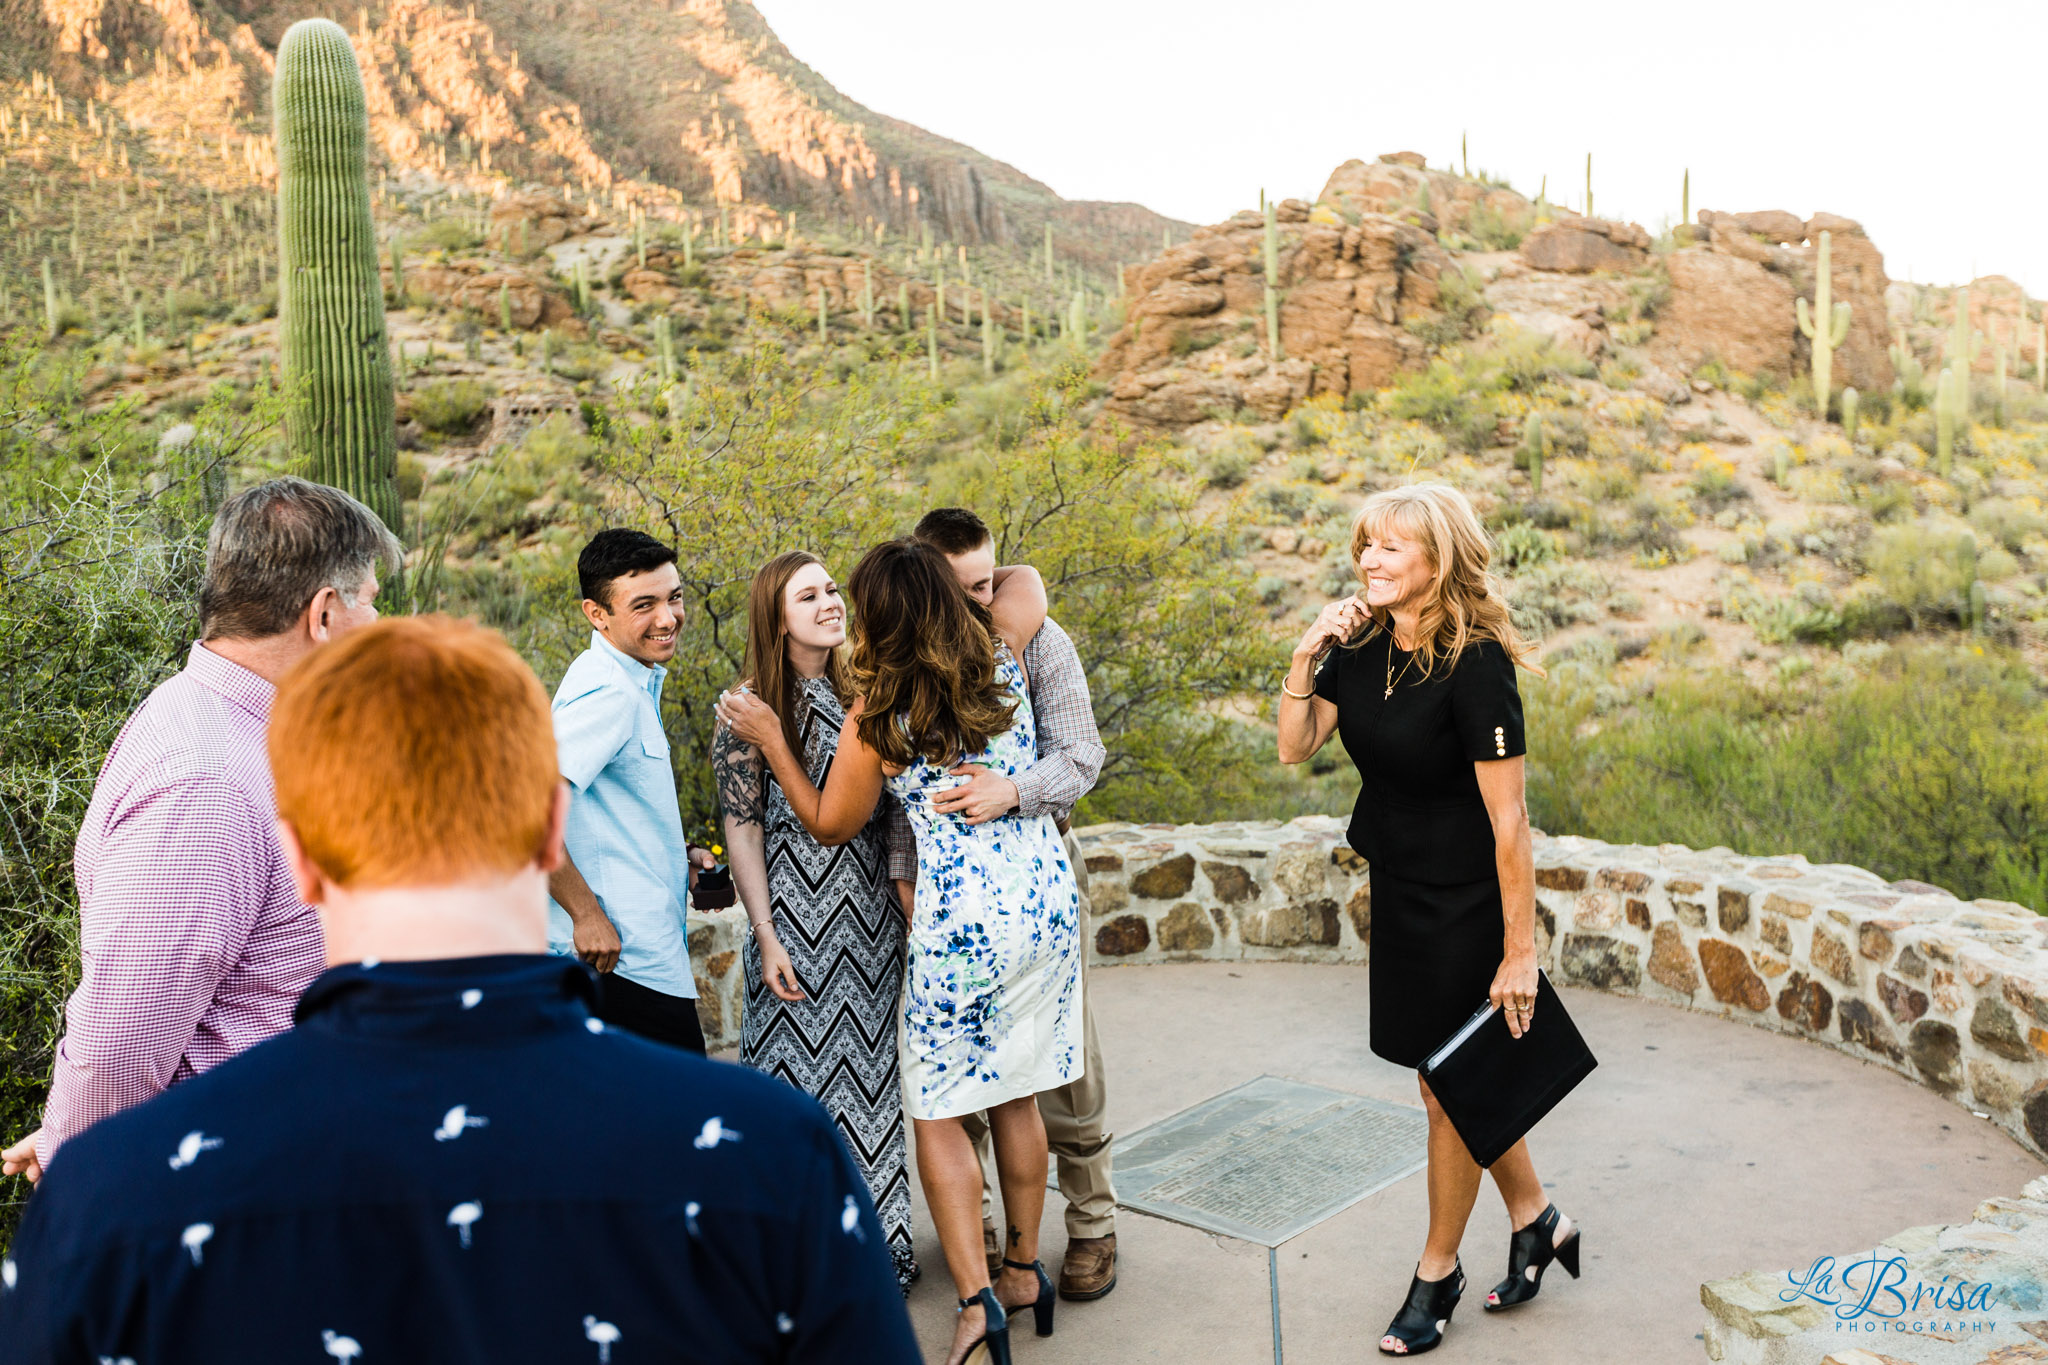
[[837, 917]]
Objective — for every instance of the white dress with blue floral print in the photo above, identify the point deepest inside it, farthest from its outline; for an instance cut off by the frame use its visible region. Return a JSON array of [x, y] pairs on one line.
[[992, 997]]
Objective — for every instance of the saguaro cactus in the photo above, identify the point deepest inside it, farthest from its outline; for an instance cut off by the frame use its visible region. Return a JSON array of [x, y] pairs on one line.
[[335, 354], [1826, 326], [1589, 184], [988, 336], [1964, 345], [1911, 384], [1534, 443], [1850, 399], [50, 310], [1272, 288], [1998, 393], [504, 307], [665, 346], [1948, 391]]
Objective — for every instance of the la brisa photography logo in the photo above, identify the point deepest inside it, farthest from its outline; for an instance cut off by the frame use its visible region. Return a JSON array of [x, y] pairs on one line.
[[1879, 1294]]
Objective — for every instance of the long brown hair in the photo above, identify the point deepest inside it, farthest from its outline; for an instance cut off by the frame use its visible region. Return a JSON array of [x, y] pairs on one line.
[[1464, 600], [924, 658], [774, 681]]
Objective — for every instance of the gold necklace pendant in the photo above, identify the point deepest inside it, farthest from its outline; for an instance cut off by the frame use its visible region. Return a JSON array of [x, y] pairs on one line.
[[1391, 679]]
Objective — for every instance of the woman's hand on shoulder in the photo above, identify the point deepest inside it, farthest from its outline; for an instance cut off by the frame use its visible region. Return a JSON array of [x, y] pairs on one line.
[[1335, 624]]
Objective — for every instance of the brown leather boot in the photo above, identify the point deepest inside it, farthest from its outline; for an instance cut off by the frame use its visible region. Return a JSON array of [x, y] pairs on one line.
[[992, 1245], [1089, 1270]]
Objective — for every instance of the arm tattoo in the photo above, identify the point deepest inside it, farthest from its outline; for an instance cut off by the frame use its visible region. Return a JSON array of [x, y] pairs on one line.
[[742, 794]]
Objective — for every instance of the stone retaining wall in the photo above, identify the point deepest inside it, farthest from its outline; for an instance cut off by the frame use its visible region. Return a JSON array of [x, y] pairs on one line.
[[1951, 993]]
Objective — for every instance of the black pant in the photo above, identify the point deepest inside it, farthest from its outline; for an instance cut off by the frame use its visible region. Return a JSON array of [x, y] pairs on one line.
[[659, 1018]]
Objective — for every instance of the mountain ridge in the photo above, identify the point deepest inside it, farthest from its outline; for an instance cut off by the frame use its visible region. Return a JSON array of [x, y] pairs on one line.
[[713, 110]]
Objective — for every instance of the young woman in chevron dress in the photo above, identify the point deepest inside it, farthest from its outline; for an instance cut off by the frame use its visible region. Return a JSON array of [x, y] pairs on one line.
[[824, 960]]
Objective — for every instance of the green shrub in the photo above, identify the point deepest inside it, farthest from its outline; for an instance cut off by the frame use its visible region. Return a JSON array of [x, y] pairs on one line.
[[1921, 571], [1523, 546], [2010, 522], [1806, 615], [1551, 596], [1715, 485], [1226, 468], [1293, 502], [1934, 766], [449, 407], [443, 234], [1497, 231]]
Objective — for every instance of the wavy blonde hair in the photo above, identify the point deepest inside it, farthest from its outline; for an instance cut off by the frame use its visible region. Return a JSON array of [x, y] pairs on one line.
[[1464, 600]]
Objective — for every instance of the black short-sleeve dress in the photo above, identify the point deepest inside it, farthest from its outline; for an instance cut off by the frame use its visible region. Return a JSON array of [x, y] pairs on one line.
[[1420, 822]]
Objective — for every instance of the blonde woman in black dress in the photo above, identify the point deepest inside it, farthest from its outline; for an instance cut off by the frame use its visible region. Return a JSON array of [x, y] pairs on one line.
[[1417, 672]]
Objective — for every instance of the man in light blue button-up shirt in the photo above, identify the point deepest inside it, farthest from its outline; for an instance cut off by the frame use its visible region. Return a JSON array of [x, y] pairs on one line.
[[619, 900]]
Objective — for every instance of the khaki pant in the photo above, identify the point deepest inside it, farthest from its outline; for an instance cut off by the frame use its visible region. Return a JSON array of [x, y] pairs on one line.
[[1073, 1117]]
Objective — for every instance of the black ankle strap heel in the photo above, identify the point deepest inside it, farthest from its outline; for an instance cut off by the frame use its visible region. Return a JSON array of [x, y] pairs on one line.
[[1048, 1297], [994, 1345], [1419, 1326], [1530, 1252]]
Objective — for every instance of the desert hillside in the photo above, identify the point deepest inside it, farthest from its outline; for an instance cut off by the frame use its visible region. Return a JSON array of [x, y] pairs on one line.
[[691, 102], [1696, 497]]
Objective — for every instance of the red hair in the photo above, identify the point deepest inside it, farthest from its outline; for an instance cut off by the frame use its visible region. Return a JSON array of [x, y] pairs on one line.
[[414, 752]]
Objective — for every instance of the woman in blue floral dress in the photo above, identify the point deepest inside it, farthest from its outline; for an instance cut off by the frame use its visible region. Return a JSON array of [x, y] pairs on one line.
[[992, 1005]]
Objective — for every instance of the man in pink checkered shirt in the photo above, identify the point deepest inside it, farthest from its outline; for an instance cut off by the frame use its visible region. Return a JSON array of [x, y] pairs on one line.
[[195, 944]]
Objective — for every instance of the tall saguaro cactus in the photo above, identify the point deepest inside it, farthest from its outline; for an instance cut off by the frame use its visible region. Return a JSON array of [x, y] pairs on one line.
[[1950, 408], [1826, 326], [335, 355], [1272, 275], [1962, 349]]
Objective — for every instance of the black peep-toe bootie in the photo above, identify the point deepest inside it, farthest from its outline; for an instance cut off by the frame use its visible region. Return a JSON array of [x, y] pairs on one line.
[[993, 1348], [1530, 1251], [1048, 1297], [1420, 1324]]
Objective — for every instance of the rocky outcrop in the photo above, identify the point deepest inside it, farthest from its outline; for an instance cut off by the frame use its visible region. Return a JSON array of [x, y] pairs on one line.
[[1725, 300], [1582, 245], [1193, 344], [1393, 185], [1571, 310], [476, 288], [1725, 306]]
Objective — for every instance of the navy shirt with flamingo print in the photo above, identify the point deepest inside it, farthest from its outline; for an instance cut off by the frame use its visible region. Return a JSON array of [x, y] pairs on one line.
[[454, 1162]]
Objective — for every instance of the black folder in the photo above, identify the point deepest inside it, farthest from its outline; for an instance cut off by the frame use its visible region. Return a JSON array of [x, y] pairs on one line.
[[1494, 1086]]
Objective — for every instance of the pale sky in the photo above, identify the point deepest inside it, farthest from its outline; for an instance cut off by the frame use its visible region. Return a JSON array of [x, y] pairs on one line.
[[1927, 122]]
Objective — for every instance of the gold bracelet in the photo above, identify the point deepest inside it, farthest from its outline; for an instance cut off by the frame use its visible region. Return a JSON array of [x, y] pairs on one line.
[[1298, 696]]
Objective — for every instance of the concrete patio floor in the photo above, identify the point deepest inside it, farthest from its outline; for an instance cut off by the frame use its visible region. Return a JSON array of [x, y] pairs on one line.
[[1699, 1148]]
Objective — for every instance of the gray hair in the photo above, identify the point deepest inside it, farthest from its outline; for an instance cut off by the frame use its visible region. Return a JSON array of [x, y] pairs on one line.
[[272, 549]]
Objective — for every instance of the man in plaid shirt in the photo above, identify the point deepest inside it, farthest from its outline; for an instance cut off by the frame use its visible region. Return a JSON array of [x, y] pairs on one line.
[[1070, 755], [195, 944]]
